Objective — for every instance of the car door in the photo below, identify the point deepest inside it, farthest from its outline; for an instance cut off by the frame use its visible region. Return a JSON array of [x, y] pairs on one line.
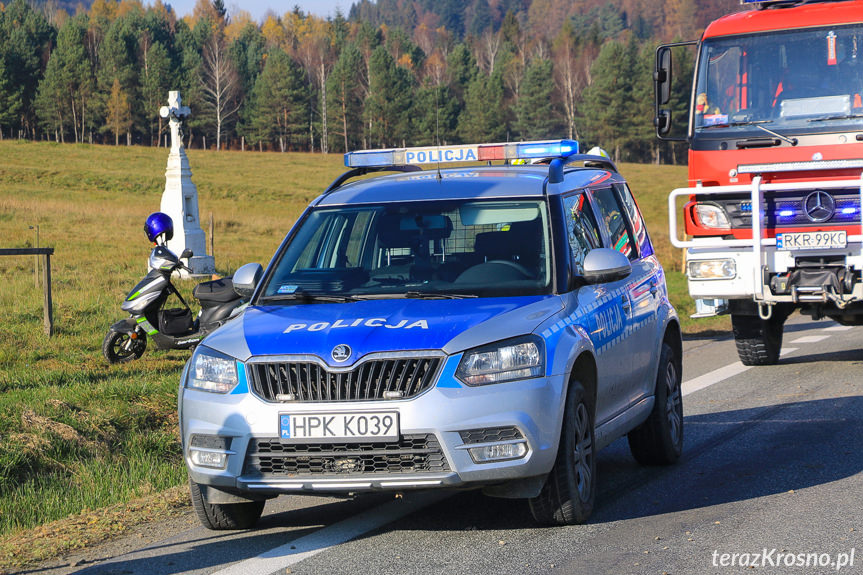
[[599, 308], [636, 348], [644, 294]]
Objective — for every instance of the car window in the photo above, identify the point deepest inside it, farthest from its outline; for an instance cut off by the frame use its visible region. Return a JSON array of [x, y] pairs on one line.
[[486, 248], [642, 240], [583, 235], [613, 222]]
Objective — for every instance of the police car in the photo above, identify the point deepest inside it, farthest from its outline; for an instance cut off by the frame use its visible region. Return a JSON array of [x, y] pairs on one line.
[[487, 325]]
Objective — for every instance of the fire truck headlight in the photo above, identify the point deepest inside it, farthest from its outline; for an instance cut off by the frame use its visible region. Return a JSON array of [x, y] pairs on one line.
[[712, 269], [711, 216]]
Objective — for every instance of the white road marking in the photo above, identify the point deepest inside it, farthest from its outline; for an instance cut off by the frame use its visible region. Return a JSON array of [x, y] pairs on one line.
[[810, 339], [839, 328], [279, 558], [721, 374]]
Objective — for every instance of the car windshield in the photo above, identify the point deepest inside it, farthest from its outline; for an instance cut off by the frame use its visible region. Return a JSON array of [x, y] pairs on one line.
[[791, 82], [415, 249]]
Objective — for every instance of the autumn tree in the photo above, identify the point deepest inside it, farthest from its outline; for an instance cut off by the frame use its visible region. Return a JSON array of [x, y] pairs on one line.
[[119, 118], [535, 115], [25, 36], [219, 83], [65, 92], [345, 98], [315, 52], [389, 100], [608, 110], [483, 118], [279, 101]]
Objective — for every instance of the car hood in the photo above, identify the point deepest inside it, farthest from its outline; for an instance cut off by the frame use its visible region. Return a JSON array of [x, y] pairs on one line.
[[379, 326]]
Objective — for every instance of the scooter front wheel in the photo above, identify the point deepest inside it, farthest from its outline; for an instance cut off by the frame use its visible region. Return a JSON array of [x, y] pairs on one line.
[[119, 347]]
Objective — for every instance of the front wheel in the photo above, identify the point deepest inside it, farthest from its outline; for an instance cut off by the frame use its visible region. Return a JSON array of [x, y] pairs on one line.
[[120, 347], [224, 516], [659, 440], [570, 488], [758, 341]]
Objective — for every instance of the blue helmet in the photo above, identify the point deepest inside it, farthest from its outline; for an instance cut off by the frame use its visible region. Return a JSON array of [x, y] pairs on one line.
[[158, 224]]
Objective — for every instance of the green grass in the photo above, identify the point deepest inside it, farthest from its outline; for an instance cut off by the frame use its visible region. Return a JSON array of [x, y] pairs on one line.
[[77, 434]]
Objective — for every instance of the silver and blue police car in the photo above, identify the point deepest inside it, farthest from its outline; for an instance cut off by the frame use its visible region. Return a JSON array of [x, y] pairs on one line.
[[487, 325]]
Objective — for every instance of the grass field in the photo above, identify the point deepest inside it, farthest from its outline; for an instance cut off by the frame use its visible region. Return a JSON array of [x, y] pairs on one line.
[[77, 434]]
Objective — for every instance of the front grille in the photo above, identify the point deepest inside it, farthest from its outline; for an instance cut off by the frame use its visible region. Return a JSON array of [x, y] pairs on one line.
[[490, 435], [787, 209], [370, 380], [267, 457]]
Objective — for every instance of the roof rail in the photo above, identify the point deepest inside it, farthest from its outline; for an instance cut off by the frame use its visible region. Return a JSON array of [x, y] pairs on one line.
[[556, 165]]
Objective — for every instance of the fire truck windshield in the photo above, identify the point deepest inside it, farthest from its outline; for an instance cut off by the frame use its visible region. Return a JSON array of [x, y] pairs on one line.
[[798, 81]]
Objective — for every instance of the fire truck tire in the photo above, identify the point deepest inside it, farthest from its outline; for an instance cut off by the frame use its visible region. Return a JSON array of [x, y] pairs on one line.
[[758, 341]]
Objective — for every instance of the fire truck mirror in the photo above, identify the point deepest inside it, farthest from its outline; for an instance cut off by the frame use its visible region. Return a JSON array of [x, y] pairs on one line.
[[662, 76]]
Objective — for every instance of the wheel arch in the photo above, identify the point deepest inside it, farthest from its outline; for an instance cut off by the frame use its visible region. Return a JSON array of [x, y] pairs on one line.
[[674, 337], [584, 369]]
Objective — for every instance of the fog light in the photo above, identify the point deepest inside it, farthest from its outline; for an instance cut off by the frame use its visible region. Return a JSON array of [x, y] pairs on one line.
[[213, 459], [712, 269], [500, 452]]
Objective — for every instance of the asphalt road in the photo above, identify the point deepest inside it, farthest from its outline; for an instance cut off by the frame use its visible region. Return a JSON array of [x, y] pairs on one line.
[[772, 462]]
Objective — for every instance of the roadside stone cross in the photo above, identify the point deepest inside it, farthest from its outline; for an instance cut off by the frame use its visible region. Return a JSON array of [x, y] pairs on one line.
[[180, 198], [177, 113]]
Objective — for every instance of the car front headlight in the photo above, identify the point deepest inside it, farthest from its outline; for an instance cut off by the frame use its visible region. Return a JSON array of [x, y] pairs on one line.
[[509, 360], [212, 371]]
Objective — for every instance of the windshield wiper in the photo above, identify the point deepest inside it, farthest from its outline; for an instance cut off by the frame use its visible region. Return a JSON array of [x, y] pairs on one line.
[[308, 297], [842, 117], [792, 141], [436, 295], [736, 124]]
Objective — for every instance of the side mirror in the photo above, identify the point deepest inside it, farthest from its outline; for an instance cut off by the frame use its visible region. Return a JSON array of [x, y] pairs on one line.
[[662, 90], [246, 279], [662, 75], [604, 265], [187, 253]]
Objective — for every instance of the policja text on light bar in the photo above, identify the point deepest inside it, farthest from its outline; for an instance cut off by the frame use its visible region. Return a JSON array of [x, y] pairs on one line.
[[461, 153]]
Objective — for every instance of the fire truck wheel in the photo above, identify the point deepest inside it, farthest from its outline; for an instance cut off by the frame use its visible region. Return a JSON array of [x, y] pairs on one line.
[[758, 341]]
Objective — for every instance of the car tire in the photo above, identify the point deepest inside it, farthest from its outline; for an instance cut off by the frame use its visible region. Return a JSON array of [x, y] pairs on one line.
[[758, 341], [569, 492], [659, 440], [224, 516]]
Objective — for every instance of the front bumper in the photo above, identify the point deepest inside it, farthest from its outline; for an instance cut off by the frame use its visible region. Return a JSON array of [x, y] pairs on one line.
[[753, 278], [245, 421]]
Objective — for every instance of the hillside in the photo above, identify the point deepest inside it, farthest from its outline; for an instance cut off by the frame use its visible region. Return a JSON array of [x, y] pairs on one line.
[[666, 20]]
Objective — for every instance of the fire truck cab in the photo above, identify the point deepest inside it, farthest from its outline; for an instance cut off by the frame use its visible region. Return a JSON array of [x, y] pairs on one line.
[[772, 219]]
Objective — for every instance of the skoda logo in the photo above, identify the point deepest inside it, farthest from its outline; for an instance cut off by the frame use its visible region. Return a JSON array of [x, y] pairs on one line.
[[341, 352], [819, 206]]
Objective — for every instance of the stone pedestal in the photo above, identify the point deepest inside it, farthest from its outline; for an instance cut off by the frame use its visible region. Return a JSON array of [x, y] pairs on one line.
[[180, 198]]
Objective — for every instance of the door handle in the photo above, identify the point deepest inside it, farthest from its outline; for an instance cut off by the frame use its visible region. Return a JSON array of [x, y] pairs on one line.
[[624, 303], [654, 288]]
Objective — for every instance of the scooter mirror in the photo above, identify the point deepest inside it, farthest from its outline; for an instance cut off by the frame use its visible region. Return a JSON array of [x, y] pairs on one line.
[[246, 279], [187, 253]]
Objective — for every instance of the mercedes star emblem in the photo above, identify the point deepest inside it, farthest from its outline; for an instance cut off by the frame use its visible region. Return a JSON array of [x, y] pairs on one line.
[[341, 352], [819, 206]]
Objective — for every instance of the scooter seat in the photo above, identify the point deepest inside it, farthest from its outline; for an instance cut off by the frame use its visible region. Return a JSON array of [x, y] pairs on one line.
[[215, 291]]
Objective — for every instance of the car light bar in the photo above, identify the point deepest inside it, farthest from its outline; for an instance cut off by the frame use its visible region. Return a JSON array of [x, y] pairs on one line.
[[465, 153]]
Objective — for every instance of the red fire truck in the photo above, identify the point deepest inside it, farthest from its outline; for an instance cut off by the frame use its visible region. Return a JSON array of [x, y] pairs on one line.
[[773, 219]]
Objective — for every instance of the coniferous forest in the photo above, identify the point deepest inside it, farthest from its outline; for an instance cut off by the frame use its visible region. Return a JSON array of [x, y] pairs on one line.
[[388, 73]]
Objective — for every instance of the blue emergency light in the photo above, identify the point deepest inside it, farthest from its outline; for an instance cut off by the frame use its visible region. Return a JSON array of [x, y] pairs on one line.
[[461, 153]]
